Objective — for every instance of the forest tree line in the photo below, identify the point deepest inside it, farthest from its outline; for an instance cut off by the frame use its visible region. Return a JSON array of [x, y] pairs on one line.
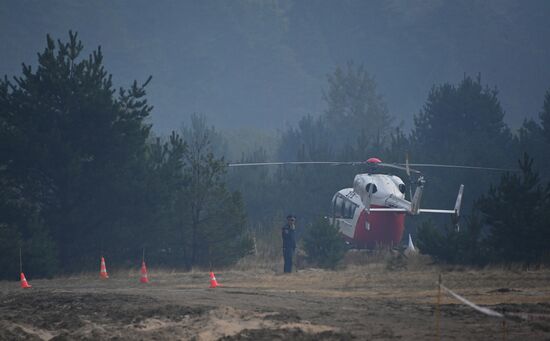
[[504, 213], [82, 175]]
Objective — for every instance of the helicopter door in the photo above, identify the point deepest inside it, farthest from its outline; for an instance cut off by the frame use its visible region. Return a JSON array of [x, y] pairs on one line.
[[343, 208], [343, 211]]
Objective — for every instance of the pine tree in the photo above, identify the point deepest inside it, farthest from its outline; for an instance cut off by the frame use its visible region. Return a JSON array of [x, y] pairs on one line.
[[449, 245], [74, 150], [213, 218], [355, 109], [545, 116], [516, 211], [323, 244], [461, 125]]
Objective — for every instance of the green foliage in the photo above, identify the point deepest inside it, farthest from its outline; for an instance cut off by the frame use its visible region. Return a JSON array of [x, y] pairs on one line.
[[516, 211], [354, 108], [81, 175], [356, 118], [76, 151], [461, 125], [39, 253], [258, 185], [514, 215], [163, 188], [323, 244], [453, 246], [307, 142], [530, 139], [356, 123], [457, 115], [10, 240], [545, 116], [213, 218], [39, 250]]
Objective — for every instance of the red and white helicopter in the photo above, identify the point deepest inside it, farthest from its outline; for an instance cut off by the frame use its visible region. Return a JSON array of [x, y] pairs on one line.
[[373, 211]]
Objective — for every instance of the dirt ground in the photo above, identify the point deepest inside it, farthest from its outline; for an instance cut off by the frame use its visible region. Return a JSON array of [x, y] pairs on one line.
[[365, 302]]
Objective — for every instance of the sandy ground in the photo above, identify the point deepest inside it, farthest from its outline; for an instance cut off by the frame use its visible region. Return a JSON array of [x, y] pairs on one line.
[[360, 302]]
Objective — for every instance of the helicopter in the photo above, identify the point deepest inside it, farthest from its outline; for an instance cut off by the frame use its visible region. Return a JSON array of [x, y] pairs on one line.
[[373, 211]]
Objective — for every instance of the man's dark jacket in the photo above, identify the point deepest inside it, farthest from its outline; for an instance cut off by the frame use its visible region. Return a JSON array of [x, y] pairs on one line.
[[289, 237]]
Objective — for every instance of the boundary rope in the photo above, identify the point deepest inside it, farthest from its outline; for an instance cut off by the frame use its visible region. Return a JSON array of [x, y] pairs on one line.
[[483, 310]]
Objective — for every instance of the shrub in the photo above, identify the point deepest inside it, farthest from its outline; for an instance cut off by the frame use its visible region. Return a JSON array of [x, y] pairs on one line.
[[323, 244], [464, 246]]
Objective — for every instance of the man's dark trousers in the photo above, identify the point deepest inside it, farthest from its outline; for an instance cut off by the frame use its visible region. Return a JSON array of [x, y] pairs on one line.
[[287, 254]]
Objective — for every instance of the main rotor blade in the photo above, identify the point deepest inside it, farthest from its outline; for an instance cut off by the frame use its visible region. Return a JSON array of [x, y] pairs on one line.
[[398, 166], [333, 163], [245, 164], [434, 165]]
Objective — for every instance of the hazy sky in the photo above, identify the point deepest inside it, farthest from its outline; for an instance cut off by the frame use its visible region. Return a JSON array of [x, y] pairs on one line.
[[264, 64]]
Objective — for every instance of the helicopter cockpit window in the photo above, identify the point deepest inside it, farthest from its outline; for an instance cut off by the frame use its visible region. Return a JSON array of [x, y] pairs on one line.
[[349, 209], [338, 203], [343, 207]]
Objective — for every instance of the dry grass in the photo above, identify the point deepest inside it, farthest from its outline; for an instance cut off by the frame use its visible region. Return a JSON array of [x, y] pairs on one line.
[[268, 252], [362, 296]]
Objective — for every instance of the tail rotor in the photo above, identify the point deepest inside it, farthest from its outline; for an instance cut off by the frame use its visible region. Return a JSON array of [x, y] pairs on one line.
[[456, 215]]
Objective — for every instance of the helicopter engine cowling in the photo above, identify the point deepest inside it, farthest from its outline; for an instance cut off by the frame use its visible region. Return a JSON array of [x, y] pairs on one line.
[[375, 189]]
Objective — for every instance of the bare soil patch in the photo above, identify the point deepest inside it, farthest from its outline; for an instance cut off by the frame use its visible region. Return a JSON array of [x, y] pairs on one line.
[[360, 302]]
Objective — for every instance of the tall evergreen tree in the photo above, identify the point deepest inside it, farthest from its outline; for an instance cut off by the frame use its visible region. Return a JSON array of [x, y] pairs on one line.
[[455, 119], [516, 211], [214, 218], [257, 186], [307, 142], [545, 116], [159, 213], [355, 124], [461, 125], [74, 150], [534, 138], [354, 108], [530, 139]]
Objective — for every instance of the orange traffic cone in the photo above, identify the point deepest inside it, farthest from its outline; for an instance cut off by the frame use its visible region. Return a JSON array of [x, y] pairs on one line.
[[24, 283], [213, 282], [143, 278], [103, 270]]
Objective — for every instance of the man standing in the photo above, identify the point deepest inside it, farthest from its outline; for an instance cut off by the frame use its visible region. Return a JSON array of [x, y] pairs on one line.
[[289, 241]]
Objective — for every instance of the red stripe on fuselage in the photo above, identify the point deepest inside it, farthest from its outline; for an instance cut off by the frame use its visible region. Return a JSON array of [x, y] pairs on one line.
[[385, 228]]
